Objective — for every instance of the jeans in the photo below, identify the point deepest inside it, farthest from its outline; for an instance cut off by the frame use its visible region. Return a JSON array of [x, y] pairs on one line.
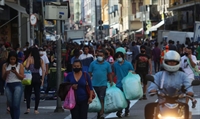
[[14, 94], [156, 66], [80, 111]]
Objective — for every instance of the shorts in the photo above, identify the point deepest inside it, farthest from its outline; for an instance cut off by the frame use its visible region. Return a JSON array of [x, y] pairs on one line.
[[101, 92], [142, 77]]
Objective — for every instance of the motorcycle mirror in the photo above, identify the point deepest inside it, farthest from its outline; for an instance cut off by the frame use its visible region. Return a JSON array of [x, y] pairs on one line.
[[195, 82], [150, 78]]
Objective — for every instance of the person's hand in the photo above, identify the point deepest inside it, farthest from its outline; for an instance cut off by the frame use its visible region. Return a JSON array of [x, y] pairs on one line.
[[14, 71], [111, 83], [74, 86], [190, 93], [150, 72], [7, 72], [89, 100], [132, 72], [46, 73]]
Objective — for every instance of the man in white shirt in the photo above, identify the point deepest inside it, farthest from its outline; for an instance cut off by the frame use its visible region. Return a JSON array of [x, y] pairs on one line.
[[86, 58], [187, 62]]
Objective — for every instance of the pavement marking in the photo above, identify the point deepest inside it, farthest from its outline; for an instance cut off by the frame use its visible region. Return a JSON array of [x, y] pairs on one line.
[[113, 115], [196, 110], [46, 107], [68, 117]]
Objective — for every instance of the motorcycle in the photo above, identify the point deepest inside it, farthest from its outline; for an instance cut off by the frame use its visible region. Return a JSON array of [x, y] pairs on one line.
[[168, 106]]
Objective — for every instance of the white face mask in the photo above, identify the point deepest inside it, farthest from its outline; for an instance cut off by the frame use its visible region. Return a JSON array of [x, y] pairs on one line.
[[119, 59], [100, 59]]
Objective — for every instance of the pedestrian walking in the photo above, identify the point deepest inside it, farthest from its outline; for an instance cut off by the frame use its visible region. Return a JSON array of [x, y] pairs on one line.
[[13, 73]]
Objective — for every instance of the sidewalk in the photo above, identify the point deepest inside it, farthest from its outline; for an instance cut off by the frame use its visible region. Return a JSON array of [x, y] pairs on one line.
[[46, 109]]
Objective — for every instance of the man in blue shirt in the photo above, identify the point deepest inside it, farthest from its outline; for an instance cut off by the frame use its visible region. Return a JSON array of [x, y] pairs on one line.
[[121, 69], [101, 72]]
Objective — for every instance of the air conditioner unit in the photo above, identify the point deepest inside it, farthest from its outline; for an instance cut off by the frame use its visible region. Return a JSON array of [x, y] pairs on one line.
[[138, 15], [2, 2]]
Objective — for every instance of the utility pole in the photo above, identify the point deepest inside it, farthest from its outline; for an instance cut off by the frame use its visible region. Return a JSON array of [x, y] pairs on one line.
[[32, 27], [128, 21], [43, 35], [96, 35], [58, 63]]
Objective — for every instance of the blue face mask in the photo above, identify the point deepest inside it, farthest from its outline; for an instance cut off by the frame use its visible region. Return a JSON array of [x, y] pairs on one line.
[[100, 59], [119, 59]]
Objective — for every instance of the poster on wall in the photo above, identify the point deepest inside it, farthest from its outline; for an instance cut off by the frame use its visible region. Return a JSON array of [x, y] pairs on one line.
[[197, 32]]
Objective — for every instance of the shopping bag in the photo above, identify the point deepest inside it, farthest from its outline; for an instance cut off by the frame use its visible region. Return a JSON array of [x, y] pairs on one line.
[[95, 106], [27, 77], [132, 86], [114, 99], [70, 100]]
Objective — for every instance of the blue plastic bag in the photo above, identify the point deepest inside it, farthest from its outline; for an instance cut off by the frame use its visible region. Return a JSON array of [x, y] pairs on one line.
[[114, 99], [132, 86], [95, 106]]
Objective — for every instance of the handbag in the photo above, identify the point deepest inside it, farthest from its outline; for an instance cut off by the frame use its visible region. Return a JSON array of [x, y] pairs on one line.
[[28, 77], [70, 101], [63, 90], [88, 87]]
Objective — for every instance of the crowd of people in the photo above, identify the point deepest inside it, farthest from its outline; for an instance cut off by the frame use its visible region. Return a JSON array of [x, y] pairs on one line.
[[101, 61]]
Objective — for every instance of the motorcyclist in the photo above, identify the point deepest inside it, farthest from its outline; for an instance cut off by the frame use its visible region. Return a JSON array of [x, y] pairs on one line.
[[171, 77]]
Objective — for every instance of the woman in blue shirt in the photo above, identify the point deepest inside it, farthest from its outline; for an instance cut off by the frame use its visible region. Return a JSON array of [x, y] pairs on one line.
[[79, 80]]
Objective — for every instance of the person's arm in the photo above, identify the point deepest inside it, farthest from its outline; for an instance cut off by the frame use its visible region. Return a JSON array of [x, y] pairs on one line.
[[28, 62], [91, 88], [110, 78], [19, 75], [43, 70], [150, 66], [4, 72], [192, 60]]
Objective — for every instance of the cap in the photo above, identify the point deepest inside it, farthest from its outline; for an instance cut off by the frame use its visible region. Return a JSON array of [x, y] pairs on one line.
[[121, 49]]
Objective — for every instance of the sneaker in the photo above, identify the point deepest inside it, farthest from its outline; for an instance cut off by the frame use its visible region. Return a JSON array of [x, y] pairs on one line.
[[127, 114], [119, 114], [144, 97]]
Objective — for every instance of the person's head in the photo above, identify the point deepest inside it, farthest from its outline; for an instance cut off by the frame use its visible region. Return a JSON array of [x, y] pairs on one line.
[[156, 44], [110, 52], [76, 52], [188, 50], [36, 56], [45, 47], [27, 44], [119, 56], [100, 56], [171, 61], [77, 66], [86, 49], [12, 58], [142, 49]]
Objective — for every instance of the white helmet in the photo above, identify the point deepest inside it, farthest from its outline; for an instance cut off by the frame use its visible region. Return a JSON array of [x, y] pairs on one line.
[[171, 56]]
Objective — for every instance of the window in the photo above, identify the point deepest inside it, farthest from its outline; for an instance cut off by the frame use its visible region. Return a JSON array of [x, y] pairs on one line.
[[133, 8], [154, 2], [140, 3]]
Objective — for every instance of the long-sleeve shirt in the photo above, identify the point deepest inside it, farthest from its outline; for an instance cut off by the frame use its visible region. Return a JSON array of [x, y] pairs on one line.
[[81, 93], [171, 81]]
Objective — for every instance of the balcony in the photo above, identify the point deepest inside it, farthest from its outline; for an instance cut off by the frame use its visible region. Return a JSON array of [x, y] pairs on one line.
[[184, 6]]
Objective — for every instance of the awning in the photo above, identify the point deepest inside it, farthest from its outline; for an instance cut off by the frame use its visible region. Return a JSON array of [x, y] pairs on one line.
[[183, 5], [154, 28], [16, 7], [141, 29]]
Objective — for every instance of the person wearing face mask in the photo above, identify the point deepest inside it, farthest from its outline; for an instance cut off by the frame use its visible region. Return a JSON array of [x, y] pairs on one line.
[[143, 67], [78, 80], [101, 72], [121, 69]]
